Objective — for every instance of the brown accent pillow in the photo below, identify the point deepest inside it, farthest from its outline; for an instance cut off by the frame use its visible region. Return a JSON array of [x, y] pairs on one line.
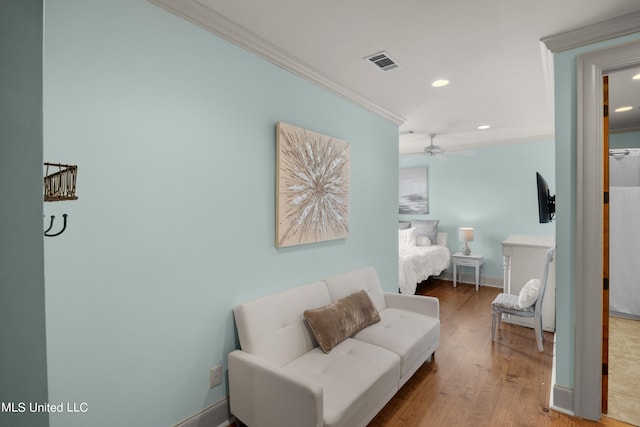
[[341, 319]]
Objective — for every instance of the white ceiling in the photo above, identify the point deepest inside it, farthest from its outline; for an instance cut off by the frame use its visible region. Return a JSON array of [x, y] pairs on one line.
[[490, 51]]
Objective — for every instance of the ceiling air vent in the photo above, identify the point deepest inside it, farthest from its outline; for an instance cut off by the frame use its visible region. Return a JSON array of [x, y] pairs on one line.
[[382, 61]]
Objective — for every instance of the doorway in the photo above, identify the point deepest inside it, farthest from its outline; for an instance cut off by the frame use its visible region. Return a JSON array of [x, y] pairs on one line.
[[621, 299], [589, 219]]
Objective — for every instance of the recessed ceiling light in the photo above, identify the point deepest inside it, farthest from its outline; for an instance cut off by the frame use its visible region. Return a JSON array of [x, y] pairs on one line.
[[622, 109], [636, 77], [440, 83], [483, 127]]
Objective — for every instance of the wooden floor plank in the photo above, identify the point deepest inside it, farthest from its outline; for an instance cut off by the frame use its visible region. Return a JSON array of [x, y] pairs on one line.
[[474, 381]]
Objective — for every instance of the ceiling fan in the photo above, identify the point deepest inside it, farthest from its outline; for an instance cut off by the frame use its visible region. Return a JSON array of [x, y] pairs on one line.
[[433, 150], [437, 151]]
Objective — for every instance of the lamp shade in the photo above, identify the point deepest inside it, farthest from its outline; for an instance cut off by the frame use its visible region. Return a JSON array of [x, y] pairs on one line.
[[465, 234]]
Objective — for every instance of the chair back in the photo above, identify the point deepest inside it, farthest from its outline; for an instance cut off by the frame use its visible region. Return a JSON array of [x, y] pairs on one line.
[[545, 279]]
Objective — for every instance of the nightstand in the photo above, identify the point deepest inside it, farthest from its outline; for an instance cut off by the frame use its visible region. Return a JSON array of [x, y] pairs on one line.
[[476, 261]]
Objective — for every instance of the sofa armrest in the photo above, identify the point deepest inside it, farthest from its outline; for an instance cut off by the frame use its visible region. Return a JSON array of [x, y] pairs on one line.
[[429, 306], [263, 395]]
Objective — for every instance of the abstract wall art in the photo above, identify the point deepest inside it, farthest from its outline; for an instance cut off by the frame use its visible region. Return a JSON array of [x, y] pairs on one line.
[[313, 181]]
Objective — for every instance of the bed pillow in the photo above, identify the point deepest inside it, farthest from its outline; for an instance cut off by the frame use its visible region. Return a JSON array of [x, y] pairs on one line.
[[423, 241], [407, 237], [529, 293], [403, 225], [426, 227], [341, 319]]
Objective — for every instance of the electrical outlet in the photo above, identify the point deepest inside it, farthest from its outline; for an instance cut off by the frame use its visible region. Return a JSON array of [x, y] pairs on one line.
[[215, 376]]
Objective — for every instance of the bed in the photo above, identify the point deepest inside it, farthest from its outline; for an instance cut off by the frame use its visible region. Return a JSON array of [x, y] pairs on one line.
[[423, 252]]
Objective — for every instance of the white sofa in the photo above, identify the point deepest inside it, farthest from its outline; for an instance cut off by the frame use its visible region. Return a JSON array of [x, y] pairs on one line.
[[281, 377]]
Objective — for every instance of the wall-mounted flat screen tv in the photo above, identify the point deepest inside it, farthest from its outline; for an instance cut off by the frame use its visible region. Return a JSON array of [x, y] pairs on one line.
[[546, 202]]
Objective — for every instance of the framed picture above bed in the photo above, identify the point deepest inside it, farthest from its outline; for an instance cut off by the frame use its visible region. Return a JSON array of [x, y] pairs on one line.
[[414, 196]]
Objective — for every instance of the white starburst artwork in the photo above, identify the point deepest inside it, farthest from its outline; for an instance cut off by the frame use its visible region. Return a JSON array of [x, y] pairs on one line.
[[312, 187]]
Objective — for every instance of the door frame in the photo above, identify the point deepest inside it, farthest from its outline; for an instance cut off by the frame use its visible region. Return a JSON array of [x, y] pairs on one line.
[[604, 399], [589, 219]]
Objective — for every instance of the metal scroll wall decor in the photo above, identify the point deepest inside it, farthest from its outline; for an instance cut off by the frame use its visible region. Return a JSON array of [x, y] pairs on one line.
[[59, 185], [313, 180]]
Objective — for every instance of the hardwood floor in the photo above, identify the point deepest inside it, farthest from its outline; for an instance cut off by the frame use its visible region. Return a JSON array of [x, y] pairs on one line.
[[474, 381]]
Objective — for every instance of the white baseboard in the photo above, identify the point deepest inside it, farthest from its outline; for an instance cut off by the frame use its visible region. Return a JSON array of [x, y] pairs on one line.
[[216, 415], [495, 282], [560, 398]]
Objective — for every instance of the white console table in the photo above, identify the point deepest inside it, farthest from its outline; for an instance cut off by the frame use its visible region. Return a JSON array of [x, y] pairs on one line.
[[523, 259]]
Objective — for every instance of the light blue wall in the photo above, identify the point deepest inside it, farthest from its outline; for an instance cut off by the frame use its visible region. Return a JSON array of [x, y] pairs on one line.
[[23, 357], [494, 191], [173, 132], [624, 140], [566, 123]]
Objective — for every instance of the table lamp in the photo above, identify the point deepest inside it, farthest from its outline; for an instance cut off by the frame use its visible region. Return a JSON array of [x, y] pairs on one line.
[[465, 235]]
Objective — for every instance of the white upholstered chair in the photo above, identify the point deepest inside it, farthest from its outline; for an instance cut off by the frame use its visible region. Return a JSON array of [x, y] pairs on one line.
[[508, 304]]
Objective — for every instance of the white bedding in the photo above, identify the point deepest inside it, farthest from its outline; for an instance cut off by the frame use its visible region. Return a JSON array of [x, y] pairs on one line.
[[417, 263]]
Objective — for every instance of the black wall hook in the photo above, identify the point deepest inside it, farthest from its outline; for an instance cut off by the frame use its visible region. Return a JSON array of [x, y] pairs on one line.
[[64, 226]]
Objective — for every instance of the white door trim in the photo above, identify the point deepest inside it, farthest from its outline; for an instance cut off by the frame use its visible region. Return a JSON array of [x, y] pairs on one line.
[[589, 193]]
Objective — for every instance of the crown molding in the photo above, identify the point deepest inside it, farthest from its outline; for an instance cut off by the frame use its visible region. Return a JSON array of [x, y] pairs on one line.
[[201, 15], [546, 57], [600, 31]]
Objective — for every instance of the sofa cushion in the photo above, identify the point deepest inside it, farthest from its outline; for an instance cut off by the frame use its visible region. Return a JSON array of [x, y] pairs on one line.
[[355, 378], [410, 335], [365, 278], [341, 319], [272, 327]]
